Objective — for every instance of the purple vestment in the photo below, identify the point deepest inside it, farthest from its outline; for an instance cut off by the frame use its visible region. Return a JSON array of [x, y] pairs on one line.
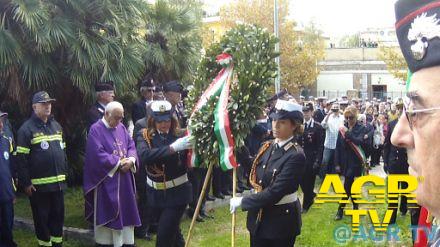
[[115, 196]]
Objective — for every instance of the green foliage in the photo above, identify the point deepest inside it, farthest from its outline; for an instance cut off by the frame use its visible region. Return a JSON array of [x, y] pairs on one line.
[[396, 64], [253, 52], [65, 47], [172, 35]]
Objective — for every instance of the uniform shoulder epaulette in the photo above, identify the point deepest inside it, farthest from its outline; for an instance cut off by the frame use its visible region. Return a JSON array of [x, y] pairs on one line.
[[294, 146]]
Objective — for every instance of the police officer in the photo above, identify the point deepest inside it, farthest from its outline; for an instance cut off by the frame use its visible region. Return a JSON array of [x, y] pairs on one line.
[[396, 162], [274, 211], [312, 143], [168, 187], [7, 188], [147, 89], [42, 169], [173, 94], [105, 93], [141, 111]]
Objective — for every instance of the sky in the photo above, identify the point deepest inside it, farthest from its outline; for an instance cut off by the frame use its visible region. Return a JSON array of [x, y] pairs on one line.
[[339, 17]]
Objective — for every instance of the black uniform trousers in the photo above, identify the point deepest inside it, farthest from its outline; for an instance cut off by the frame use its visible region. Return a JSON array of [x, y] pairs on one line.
[[221, 181], [403, 205], [6, 223], [261, 242], [168, 232], [307, 184], [196, 177], [48, 215], [348, 182], [143, 208]]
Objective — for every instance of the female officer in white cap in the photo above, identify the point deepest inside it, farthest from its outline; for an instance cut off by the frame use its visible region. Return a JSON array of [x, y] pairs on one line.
[[274, 211], [163, 155]]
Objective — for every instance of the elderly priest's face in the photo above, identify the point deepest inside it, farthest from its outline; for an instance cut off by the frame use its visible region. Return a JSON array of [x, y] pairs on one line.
[[418, 131], [114, 117]]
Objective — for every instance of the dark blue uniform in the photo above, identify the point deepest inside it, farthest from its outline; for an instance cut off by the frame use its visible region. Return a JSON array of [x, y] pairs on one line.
[[396, 162], [163, 165], [139, 110], [312, 142], [276, 173], [7, 192], [95, 113]]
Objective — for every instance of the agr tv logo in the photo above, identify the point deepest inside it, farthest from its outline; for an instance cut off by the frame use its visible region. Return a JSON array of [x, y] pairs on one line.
[[384, 191]]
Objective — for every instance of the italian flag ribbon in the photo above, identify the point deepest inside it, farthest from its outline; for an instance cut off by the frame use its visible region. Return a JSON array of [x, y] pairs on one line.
[[358, 151], [220, 86]]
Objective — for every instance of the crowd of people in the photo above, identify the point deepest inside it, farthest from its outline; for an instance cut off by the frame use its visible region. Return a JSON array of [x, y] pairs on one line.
[[136, 183]]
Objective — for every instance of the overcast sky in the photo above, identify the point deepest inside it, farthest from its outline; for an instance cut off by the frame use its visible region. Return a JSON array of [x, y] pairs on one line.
[[339, 17]]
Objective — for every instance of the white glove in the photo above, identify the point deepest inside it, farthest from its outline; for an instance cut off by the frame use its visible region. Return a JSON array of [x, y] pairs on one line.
[[234, 203], [182, 143]]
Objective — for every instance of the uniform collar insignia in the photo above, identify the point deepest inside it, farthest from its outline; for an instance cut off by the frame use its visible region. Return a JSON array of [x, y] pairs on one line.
[[423, 29], [289, 145]]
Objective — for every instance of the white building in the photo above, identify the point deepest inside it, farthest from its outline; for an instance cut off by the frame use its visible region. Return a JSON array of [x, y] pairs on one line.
[[357, 72]]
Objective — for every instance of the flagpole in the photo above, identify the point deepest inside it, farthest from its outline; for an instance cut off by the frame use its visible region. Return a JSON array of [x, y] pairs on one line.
[[234, 189], [199, 203]]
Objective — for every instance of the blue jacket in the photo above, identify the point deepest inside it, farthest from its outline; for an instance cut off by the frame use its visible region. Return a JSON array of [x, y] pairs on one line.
[[6, 183]]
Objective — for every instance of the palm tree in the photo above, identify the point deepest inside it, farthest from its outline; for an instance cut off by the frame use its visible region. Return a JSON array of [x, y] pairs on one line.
[[173, 38], [65, 47]]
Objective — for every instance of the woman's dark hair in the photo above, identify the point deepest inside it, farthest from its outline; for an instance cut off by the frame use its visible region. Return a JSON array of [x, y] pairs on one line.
[[151, 125]]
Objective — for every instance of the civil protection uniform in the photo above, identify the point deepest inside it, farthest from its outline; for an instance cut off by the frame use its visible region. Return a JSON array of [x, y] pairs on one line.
[[274, 210], [41, 162], [7, 191], [168, 188]]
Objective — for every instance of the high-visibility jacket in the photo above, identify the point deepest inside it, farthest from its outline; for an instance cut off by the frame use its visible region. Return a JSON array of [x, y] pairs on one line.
[[41, 157]]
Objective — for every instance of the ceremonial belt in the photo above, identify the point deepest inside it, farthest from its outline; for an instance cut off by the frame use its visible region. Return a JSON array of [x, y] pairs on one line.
[[288, 199], [168, 184]]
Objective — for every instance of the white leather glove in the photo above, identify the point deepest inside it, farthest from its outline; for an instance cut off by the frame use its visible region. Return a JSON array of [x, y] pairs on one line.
[[182, 143], [234, 203]]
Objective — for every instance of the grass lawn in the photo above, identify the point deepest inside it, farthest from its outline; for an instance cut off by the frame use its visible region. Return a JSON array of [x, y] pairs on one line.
[[317, 229]]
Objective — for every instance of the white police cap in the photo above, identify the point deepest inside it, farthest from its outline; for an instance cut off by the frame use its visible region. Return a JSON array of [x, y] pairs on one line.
[[161, 110], [287, 110]]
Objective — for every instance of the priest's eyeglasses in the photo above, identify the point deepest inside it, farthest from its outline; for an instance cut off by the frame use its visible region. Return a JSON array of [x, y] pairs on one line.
[[412, 113]]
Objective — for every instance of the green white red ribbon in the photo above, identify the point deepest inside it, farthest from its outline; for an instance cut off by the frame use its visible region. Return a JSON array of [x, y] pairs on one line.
[[357, 150], [219, 86], [222, 127]]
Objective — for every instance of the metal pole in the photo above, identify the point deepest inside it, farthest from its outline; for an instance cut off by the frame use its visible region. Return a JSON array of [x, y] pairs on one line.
[[277, 45]]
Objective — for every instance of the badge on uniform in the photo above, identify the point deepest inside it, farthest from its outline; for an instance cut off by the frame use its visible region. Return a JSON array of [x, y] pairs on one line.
[[44, 145], [6, 155]]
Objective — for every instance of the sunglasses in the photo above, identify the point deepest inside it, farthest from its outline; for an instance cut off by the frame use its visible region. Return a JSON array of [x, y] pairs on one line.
[[349, 118]]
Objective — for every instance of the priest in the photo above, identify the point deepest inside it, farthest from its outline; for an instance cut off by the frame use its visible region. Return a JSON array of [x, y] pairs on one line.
[[109, 186]]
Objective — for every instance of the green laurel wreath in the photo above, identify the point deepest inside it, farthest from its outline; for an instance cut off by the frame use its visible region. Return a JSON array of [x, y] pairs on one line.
[[253, 52]]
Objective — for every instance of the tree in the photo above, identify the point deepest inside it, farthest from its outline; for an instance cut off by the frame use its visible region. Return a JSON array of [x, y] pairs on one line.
[[395, 62], [300, 50], [173, 38], [350, 41], [65, 47]]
